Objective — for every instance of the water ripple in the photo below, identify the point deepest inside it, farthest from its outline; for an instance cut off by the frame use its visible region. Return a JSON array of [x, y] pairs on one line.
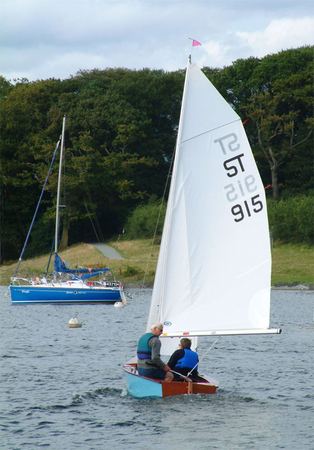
[[65, 390]]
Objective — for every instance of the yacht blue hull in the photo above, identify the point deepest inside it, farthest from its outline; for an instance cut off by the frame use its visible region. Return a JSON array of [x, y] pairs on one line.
[[42, 294]]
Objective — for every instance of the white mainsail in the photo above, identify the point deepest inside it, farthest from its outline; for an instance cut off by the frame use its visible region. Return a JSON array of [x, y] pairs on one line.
[[214, 267]]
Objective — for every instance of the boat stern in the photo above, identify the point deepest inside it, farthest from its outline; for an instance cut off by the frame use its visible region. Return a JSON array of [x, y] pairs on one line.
[[141, 387]]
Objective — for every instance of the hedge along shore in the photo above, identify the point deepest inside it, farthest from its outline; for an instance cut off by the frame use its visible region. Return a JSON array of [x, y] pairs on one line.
[[292, 266]]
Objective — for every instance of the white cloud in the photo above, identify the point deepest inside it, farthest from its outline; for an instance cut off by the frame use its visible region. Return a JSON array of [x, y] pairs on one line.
[[56, 38], [216, 54], [279, 35]]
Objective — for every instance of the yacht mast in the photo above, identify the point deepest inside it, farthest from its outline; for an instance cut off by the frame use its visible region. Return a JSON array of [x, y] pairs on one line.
[[59, 187]]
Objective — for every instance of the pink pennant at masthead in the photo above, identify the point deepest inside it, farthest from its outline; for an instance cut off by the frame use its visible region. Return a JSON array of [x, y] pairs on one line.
[[195, 43]]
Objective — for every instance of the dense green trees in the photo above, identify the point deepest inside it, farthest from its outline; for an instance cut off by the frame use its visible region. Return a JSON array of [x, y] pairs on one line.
[[292, 219], [121, 128], [121, 131], [146, 220], [275, 96]]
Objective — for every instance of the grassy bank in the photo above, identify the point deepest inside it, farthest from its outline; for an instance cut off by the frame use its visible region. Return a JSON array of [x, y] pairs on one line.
[[137, 267], [292, 264]]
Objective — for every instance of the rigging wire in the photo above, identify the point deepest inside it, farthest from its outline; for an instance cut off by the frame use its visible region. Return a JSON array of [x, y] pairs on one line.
[[95, 224], [37, 207], [158, 218], [92, 216], [203, 356], [50, 256]]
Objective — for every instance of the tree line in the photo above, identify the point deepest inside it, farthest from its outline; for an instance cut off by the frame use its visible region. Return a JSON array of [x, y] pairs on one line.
[[120, 138]]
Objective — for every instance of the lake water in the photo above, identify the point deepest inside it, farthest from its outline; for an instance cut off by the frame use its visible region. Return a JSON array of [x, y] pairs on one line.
[[63, 388]]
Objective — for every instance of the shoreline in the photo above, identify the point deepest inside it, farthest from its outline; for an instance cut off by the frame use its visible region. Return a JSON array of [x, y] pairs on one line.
[[292, 267], [283, 287], [298, 287]]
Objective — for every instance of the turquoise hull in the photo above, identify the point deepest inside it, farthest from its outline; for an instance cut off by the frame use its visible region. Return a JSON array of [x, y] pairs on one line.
[[140, 387]]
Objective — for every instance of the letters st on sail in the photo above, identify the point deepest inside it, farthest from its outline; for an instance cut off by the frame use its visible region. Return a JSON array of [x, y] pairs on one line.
[[213, 274], [241, 192]]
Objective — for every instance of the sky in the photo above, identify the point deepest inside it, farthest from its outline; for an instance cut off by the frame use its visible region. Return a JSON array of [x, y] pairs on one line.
[[41, 39]]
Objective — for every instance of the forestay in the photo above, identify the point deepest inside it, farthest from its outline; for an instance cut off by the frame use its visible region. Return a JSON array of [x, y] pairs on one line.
[[214, 267]]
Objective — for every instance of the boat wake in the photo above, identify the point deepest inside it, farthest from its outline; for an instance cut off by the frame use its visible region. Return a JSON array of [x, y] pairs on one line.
[[238, 398], [97, 393], [81, 399]]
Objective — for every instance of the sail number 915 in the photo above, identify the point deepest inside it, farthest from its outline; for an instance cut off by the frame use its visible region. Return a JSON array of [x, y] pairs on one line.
[[240, 211]]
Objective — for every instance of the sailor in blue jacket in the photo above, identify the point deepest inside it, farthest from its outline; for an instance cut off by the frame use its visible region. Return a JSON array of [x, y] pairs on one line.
[[184, 360]]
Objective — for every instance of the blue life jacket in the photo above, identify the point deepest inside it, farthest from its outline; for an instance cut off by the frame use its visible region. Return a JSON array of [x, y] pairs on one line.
[[144, 351], [188, 361]]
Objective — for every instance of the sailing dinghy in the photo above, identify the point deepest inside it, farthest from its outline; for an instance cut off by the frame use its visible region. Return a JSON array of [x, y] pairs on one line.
[[65, 285], [214, 267]]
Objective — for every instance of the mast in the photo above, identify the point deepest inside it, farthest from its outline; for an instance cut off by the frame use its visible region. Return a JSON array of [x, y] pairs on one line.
[[161, 270], [175, 165], [59, 187]]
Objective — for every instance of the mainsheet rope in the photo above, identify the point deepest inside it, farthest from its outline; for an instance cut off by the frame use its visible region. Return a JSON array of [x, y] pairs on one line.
[[203, 356]]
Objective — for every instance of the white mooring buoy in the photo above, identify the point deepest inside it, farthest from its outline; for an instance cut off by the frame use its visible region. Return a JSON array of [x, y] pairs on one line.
[[118, 304], [121, 303], [74, 323]]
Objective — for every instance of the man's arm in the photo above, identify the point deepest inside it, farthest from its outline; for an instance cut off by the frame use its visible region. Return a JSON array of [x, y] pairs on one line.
[[174, 358], [155, 344]]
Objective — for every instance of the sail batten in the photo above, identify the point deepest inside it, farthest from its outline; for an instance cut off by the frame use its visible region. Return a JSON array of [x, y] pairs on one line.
[[210, 130]]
